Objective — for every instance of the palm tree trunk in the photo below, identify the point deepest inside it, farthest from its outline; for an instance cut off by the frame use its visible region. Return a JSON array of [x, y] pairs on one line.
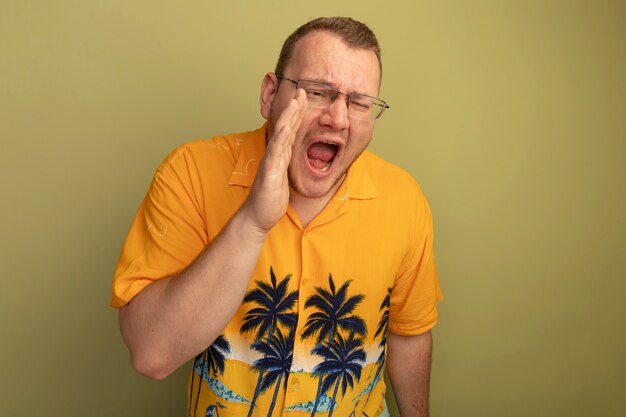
[[206, 360], [269, 414], [378, 370], [317, 396], [257, 389], [332, 406], [319, 384], [193, 374]]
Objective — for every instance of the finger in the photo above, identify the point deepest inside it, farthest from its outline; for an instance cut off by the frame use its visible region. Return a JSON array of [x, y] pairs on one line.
[[301, 105], [292, 115], [288, 122], [276, 142], [281, 142], [296, 119]]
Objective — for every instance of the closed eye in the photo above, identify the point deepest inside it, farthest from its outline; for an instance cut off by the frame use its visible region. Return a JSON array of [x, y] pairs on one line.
[[360, 103], [316, 93]]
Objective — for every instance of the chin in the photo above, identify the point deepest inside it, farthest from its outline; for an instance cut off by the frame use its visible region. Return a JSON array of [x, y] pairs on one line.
[[315, 189], [310, 192]]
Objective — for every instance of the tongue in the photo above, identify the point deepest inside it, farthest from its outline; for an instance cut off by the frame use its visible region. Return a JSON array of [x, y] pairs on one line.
[[323, 152]]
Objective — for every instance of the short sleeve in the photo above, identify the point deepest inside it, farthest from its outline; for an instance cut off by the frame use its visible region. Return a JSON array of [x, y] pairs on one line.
[[416, 288], [167, 233]]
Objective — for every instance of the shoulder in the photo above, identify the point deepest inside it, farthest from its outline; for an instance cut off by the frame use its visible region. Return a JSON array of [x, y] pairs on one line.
[[218, 154], [390, 179], [398, 206]]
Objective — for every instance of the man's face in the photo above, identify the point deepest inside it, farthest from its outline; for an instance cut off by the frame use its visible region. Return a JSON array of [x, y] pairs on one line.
[[328, 141]]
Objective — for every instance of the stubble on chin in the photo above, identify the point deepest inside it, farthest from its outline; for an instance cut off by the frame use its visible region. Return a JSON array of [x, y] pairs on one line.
[[294, 187]]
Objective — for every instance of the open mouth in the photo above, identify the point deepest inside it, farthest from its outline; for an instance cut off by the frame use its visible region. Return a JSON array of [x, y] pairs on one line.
[[321, 155]]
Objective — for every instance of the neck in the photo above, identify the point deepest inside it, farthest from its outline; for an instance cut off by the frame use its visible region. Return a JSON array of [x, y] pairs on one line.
[[308, 208]]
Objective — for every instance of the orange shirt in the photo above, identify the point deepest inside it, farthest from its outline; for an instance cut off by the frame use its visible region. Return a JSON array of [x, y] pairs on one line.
[[311, 331]]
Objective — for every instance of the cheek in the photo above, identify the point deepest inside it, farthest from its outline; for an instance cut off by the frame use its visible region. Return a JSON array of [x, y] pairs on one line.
[[308, 124], [360, 136], [275, 110]]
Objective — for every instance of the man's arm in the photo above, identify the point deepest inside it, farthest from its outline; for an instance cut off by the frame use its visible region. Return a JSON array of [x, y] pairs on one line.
[[170, 321], [408, 366]]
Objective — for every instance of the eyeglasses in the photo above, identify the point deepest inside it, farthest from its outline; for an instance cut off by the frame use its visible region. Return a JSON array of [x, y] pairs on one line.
[[322, 95]]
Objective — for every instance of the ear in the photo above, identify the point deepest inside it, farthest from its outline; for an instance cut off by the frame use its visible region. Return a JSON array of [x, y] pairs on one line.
[[269, 88]]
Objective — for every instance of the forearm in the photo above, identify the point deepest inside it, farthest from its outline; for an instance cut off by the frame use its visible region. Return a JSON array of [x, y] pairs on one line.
[[408, 366], [173, 319]]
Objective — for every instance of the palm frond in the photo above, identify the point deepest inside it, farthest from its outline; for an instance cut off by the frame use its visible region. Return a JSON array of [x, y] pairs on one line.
[[353, 324], [347, 306]]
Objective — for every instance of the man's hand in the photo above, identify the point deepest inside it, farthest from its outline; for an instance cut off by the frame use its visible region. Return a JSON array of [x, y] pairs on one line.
[[269, 197]]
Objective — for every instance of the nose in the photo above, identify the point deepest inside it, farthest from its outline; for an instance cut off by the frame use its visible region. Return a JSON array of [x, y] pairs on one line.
[[336, 114]]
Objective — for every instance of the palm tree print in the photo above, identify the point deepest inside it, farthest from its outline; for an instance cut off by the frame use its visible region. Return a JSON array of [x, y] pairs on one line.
[[276, 362], [212, 362], [342, 365], [274, 308], [381, 330], [334, 311]]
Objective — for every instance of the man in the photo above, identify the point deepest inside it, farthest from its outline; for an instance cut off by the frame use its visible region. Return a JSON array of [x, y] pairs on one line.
[[278, 259]]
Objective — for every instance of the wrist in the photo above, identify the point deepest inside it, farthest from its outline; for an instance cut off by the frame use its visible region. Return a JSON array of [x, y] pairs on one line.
[[246, 225]]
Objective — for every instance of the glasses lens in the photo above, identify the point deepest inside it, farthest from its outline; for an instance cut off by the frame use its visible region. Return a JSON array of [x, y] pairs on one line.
[[362, 107], [317, 94], [365, 107]]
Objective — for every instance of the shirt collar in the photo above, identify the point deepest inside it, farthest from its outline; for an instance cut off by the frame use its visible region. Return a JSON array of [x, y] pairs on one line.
[[358, 183]]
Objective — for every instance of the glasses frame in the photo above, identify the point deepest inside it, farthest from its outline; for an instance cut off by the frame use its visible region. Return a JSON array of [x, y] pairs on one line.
[[383, 106]]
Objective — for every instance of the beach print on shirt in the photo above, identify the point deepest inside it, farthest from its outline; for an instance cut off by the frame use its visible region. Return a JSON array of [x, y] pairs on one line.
[[324, 363]]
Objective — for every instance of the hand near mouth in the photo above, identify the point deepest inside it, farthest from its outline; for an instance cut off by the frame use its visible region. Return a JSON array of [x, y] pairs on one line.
[[269, 197]]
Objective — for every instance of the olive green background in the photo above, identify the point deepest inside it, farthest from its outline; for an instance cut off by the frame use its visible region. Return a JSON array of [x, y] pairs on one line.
[[511, 114]]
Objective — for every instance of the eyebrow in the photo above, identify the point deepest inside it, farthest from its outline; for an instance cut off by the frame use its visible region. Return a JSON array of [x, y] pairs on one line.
[[321, 81]]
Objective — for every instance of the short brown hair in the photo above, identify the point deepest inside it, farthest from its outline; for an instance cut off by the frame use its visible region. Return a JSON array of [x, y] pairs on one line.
[[354, 33]]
